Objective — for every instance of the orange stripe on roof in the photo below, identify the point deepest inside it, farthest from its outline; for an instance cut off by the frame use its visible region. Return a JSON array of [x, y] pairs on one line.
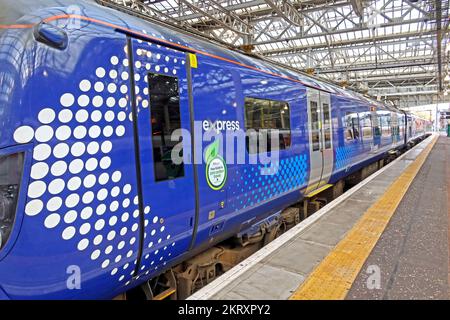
[[16, 26]]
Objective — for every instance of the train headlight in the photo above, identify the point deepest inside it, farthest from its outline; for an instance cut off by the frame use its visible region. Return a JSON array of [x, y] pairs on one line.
[[10, 176]]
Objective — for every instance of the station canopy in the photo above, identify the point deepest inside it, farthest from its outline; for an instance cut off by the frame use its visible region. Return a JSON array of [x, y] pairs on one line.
[[394, 50]]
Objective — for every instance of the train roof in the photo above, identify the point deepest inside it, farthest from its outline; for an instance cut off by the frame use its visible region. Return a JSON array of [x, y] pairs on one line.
[[29, 12]]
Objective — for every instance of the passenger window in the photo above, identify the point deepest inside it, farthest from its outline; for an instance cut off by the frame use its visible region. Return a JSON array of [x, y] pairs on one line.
[[394, 124], [366, 126], [385, 126], [265, 116], [165, 119], [351, 126], [376, 124]]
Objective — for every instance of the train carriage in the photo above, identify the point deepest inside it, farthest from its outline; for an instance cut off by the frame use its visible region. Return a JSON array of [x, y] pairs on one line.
[[91, 202]]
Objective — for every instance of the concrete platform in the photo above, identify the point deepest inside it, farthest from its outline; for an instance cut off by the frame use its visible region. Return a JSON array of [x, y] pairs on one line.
[[404, 259], [413, 251]]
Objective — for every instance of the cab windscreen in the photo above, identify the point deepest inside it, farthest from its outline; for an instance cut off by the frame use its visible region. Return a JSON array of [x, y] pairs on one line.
[[10, 175]]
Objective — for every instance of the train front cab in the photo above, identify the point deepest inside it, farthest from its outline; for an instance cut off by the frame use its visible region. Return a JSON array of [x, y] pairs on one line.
[[97, 193]]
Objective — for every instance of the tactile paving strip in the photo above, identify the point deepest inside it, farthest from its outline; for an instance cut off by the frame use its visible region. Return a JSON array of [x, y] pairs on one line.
[[334, 276]]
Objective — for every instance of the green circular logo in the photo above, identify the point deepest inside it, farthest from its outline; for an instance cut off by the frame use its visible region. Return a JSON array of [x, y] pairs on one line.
[[216, 173]]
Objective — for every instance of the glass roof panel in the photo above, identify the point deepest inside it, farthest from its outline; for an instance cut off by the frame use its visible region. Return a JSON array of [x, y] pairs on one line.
[[351, 45]]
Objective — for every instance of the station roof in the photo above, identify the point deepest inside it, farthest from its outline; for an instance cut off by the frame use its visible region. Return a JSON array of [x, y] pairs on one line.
[[395, 50]]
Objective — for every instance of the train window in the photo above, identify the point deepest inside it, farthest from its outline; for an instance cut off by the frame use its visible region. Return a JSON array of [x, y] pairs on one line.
[[266, 116], [375, 124], [351, 126], [326, 125], [366, 124], [385, 125], [394, 124], [165, 119]]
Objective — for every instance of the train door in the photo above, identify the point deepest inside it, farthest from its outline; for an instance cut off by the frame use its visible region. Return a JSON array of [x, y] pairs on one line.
[[160, 83], [320, 139], [327, 138]]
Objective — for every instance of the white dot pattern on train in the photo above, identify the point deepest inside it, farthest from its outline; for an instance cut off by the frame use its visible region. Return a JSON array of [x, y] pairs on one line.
[[74, 187]]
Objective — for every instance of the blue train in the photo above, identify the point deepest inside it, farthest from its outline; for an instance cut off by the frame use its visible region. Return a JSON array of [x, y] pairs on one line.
[[92, 203]]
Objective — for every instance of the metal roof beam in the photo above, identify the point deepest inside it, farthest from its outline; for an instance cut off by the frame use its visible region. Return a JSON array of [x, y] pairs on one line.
[[353, 59], [139, 9], [266, 11], [346, 30], [424, 76], [287, 11], [358, 7], [439, 42], [380, 66], [343, 42], [426, 40], [214, 11]]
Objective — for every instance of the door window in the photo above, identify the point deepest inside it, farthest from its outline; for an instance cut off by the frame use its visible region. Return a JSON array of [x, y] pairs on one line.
[[327, 125], [315, 125], [165, 119]]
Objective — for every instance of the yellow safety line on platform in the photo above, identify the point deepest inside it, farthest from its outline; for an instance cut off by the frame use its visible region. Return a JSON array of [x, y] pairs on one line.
[[334, 276]]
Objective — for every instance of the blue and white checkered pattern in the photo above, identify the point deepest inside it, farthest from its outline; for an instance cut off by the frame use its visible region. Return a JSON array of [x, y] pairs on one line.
[[261, 183]]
